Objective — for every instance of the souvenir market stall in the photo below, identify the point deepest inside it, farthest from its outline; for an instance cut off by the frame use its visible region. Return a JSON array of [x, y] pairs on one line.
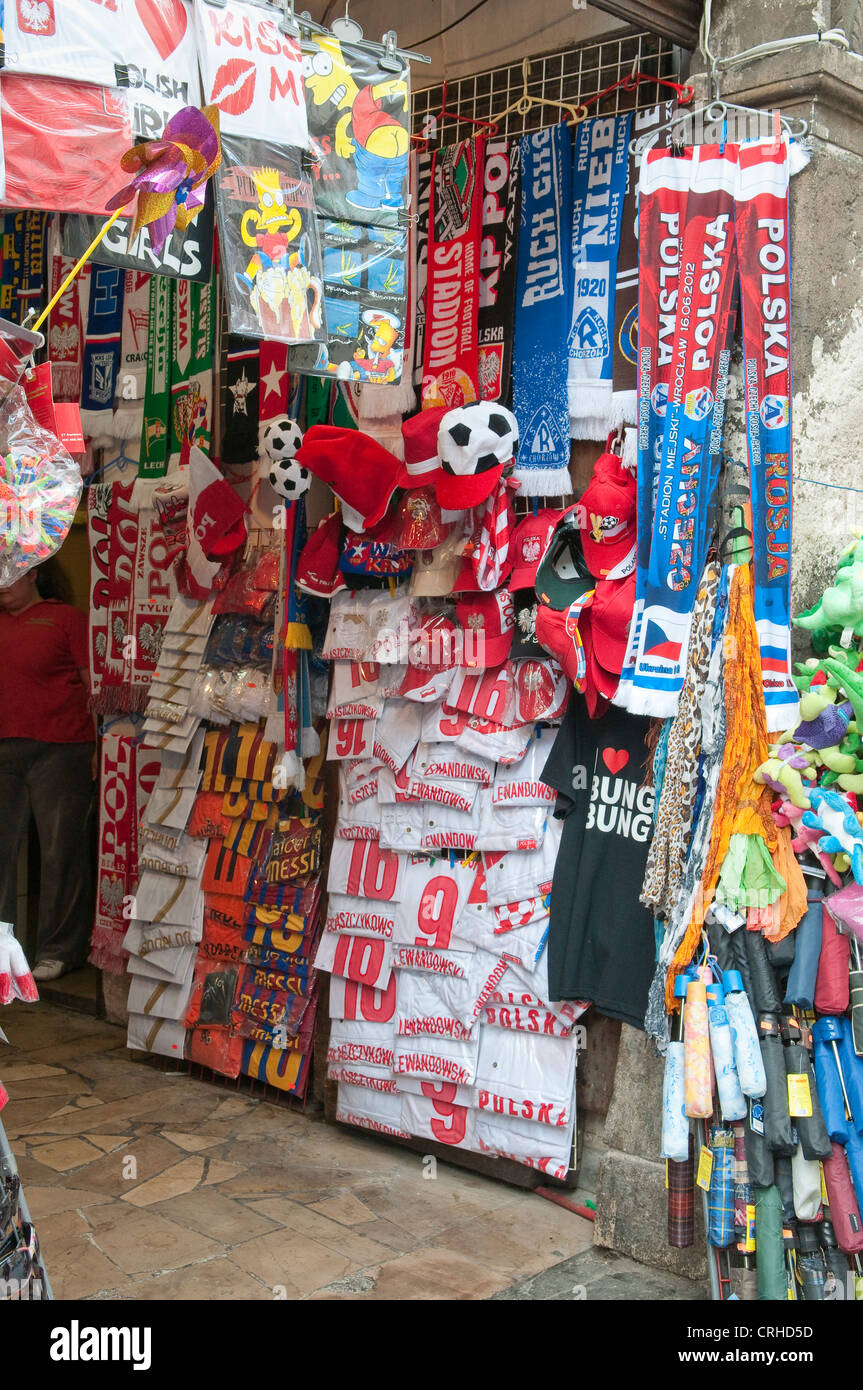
[[441, 713]]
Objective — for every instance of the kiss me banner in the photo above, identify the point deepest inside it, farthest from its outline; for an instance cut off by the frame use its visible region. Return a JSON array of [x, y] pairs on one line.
[[252, 72]]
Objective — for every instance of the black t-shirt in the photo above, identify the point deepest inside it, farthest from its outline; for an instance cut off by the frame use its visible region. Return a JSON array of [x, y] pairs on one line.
[[601, 944]]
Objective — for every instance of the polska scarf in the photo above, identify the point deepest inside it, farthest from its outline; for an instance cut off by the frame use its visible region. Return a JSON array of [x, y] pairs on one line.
[[762, 216], [700, 351], [102, 352], [156, 429], [598, 188], [65, 328], [451, 352], [542, 314], [497, 260], [99, 541]]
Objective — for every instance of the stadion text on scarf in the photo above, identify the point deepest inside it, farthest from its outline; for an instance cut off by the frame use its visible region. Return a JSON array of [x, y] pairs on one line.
[[690, 262]]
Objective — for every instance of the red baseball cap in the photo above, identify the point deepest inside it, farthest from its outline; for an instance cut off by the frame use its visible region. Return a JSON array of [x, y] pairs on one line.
[[607, 516], [487, 623], [318, 565], [361, 472], [418, 524], [564, 633], [528, 544], [613, 602]]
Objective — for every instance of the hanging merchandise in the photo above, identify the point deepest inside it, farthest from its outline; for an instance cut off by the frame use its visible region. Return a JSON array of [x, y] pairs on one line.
[[598, 188], [497, 266], [451, 350], [762, 218], [102, 352], [134, 352], [252, 71], [543, 313], [358, 114], [193, 336], [65, 332], [269, 239], [241, 375], [128, 772], [421, 185], [156, 428], [40, 488], [187, 253]]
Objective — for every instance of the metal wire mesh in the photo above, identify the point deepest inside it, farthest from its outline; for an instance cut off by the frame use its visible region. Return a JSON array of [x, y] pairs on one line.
[[571, 75]]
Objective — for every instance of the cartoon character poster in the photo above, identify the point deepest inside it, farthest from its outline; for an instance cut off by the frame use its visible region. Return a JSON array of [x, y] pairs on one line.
[[365, 299], [269, 240], [359, 132]]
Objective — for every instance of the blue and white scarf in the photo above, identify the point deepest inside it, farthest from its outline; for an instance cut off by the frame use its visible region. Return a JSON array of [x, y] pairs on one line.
[[542, 314], [102, 351], [598, 190]]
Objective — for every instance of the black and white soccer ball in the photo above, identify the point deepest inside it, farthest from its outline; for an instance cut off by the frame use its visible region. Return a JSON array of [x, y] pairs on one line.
[[288, 478], [280, 439], [474, 438]]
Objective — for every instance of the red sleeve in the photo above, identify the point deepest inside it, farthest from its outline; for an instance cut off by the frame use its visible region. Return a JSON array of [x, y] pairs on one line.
[[77, 631]]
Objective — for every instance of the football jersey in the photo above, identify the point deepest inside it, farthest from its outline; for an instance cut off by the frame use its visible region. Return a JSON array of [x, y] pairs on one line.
[[359, 958], [434, 896], [376, 1078], [463, 982], [355, 691], [161, 998], [512, 877], [488, 694], [360, 916], [364, 869], [351, 738], [473, 734], [525, 946], [524, 1012], [361, 780], [360, 1105], [402, 828], [161, 900], [519, 784], [543, 1147], [536, 982], [437, 1059], [349, 631], [420, 1010], [444, 763], [440, 1120], [526, 1075], [363, 1044], [362, 1003], [184, 861], [403, 786], [360, 821], [170, 807], [397, 733], [447, 1091], [164, 1036]]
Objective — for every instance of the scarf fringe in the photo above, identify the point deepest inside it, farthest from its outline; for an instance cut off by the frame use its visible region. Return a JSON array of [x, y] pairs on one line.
[[623, 409], [379, 402], [629, 456], [544, 482], [97, 426], [129, 421], [588, 400]]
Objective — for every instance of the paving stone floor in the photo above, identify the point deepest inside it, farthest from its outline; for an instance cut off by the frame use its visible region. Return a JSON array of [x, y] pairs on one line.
[[152, 1185]]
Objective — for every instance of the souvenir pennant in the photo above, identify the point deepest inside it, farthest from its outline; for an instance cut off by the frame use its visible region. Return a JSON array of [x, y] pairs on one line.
[[599, 184], [451, 352], [542, 314]]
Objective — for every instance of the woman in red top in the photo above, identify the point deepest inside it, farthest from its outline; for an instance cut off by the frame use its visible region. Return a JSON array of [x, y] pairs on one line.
[[48, 764]]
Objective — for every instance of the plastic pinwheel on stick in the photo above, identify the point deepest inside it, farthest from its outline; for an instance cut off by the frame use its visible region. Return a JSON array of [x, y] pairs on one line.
[[169, 178]]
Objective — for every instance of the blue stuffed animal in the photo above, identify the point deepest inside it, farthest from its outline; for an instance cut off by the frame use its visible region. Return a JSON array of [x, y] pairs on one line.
[[832, 814]]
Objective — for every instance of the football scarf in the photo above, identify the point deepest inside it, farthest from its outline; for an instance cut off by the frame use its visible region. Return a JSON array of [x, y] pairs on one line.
[[192, 367], [99, 541], [598, 188], [451, 350], [763, 254], [65, 332], [132, 371], [692, 434], [102, 351], [123, 532], [421, 182], [543, 314], [118, 850], [625, 344], [274, 382], [240, 423], [156, 429], [662, 197], [497, 269]]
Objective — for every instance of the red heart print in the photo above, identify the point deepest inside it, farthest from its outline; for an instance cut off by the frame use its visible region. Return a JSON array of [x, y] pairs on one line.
[[165, 22], [615, 758]]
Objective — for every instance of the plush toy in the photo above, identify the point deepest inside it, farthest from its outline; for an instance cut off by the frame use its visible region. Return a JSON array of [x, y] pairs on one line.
[[785, 770], [840, 829], [842, 603]]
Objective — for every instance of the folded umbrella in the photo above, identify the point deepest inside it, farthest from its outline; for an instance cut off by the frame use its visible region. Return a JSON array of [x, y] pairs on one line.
[[800, 988], [777, 1121], [831, 986], [770, 1245], [720, 1202], [811, 1129], [806, 1186], [765, 991], [681, 1201], [844, 1208]]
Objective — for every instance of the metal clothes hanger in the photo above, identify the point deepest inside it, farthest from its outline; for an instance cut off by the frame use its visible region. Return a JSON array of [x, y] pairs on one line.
[[523, 103], [715, 113]]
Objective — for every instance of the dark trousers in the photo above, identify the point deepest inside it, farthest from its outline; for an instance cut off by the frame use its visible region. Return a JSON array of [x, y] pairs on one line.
[[53, 781]]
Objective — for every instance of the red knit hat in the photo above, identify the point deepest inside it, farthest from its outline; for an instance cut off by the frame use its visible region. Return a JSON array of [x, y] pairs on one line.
[[361, 472], [419, 433], [318, 566], [607, 517]]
